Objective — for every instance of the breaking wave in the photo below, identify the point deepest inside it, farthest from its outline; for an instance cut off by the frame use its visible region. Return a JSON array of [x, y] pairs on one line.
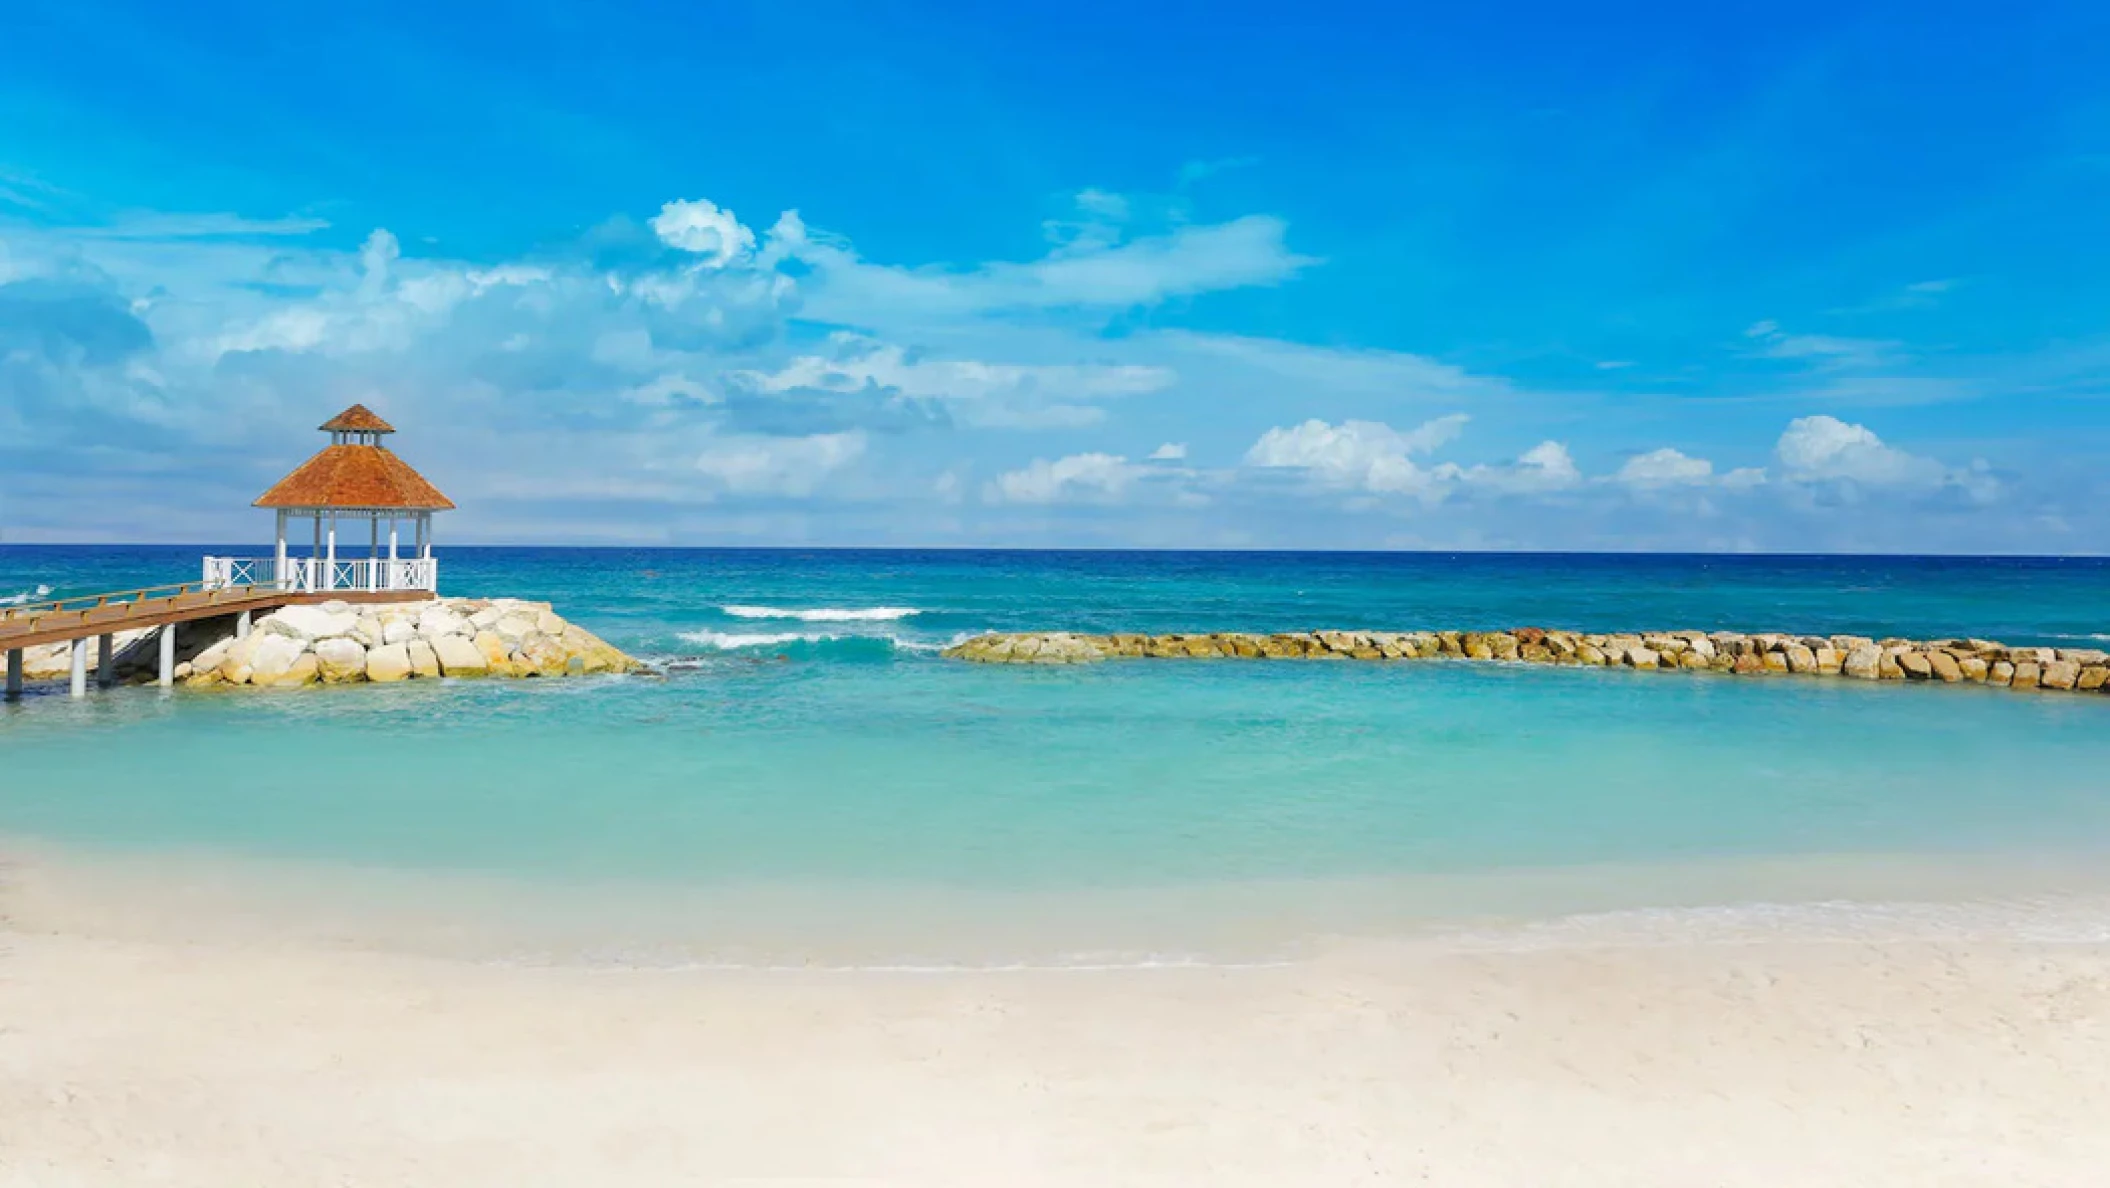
[[36, 595], [730, 641], [825, 614], [811, 644]]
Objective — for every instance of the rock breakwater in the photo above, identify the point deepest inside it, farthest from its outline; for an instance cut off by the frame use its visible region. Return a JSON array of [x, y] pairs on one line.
[[335, 643], [1853, 657]]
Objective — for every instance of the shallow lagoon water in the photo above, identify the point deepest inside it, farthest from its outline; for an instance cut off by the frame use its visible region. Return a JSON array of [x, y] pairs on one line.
[[808, 750]]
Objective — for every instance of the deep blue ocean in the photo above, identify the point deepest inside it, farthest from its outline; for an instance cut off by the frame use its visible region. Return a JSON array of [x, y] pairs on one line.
[[807, 743]]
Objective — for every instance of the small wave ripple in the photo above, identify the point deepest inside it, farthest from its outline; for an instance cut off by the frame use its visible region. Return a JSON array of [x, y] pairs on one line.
[[825, 614], [742, 641]]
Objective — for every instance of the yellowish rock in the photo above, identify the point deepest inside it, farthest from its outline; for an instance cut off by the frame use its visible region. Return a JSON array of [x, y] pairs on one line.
[[459, 657], [2060, 674], [389, 662], [497, 654], [302, 672], [423, 661]]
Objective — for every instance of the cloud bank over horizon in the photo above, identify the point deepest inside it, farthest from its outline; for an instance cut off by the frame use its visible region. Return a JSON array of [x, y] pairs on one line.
[[638, 395]]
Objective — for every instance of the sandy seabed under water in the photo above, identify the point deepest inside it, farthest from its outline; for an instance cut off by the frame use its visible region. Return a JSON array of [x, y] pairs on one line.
[[1671, 1054]]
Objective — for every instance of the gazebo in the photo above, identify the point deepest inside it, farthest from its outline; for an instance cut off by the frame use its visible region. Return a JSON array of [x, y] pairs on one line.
[[353, 478]]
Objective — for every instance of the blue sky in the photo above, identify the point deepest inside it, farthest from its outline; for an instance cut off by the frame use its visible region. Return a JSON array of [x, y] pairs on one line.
[[1642, 276]]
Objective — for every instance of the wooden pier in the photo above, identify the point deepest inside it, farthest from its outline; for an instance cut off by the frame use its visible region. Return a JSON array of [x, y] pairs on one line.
[[100, 617]]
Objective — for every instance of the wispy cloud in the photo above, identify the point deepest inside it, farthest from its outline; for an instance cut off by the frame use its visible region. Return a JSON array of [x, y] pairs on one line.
[[1197, 171], [1924, 294], [148, 225], [1821, 350], [1094, 275]]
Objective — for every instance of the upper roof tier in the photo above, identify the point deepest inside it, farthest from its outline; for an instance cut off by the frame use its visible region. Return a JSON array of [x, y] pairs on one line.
[[356, 419], [357, 474]]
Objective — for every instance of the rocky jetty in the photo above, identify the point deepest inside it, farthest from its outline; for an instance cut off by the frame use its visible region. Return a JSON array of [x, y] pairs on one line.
[[1855, 657], [335, 643]]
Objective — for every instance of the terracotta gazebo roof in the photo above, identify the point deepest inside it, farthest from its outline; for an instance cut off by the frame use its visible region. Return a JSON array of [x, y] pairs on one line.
[[356, 419], [356, 475]]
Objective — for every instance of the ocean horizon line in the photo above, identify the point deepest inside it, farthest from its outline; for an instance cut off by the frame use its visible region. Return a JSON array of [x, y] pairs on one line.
[[1117, 550]]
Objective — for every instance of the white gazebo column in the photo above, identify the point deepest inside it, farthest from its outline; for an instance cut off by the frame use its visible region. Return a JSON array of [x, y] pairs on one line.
[[373, 552], [315, 580], [278, 570], [428, 579], [329, 564]]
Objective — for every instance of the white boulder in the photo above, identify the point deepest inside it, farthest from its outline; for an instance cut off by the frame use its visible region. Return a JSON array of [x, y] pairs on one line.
[[339, 659], [310, 622], [271, 657]]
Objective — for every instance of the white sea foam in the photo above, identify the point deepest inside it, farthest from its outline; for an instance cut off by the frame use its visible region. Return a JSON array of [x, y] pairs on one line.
[[41, 592], [734, 641], [825, 614], [2069, 919], [730, 641]]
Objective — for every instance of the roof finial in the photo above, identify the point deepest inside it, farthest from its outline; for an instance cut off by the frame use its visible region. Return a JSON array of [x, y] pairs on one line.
[[356, 419]]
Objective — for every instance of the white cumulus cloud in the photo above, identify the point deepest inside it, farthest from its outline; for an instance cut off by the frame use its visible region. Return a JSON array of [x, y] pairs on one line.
[[1171, 451], [701, 226], [1365, 455], [793, 466], [1823, 448], [1665, 468], [1544, 467], [1079, 477]]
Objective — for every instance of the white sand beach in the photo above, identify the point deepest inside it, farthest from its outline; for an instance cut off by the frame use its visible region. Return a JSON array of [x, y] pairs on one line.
[[210, 1060]]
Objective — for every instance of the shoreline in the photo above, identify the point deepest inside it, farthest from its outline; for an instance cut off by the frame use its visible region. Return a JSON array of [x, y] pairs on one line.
[[222, 898], [199, 1060]]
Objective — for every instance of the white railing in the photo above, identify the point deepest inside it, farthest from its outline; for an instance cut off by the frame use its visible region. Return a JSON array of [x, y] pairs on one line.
[[317, 574]]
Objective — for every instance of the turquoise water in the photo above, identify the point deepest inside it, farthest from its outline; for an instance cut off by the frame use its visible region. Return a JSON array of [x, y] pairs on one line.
[[810, 738]]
